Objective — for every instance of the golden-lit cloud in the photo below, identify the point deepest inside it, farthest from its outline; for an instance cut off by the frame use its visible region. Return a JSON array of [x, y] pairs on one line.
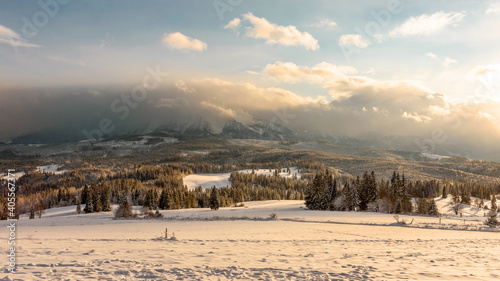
[[234, 24], [321, 72], [179, 41], [278, 34]]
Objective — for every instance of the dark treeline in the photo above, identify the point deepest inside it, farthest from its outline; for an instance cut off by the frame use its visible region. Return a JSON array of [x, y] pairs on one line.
[[397, 195], [152, 186], [161, 187]]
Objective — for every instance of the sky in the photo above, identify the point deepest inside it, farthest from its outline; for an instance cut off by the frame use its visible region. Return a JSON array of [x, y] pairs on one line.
[[340, 67]]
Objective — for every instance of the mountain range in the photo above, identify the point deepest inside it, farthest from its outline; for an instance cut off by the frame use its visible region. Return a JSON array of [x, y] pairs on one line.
[[266, 130]]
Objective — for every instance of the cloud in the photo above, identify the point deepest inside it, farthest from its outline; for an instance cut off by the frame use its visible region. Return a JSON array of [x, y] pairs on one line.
[[338, 79], [431, 55], [493, 9], [427, 24], [486, 69], [390, 108], [449, 61], [9, 36], [416, 117], [320, 73], [487, 116], [278, 34], [234, 24], [179, 41], [353, 40], [324, 23], [68, 61]]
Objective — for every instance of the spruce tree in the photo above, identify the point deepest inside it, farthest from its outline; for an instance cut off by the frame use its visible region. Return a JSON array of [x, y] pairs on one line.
[[161, 202], [78, 206], [125, 208], [351, 197], [32, 212], [493, 202], [214, 199], [398, 208], [89, 206], [106, 200], [333, 194], [433, 209], [97, 203], [84, 194], [406, 204], [367, 190], [148, 200], [313, 193], [492, 220]]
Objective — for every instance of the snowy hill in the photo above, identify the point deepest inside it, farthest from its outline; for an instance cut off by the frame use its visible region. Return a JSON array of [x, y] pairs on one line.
[[259, 130], [222, 179], [244, 243]]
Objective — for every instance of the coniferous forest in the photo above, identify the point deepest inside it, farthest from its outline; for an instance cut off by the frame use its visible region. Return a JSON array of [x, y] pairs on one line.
[[161, 187]]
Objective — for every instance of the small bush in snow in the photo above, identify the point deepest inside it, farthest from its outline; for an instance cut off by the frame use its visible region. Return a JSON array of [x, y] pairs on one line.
[[492, 220], [273, 216]]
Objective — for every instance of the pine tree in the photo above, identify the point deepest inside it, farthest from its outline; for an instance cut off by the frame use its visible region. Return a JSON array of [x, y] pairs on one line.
[[4, 208], [492, 220], [367, 190], [433, 209], [214, 199], [78, 206], [148, 200], [40, 208], [89, 206], [97, 203], [406, 204], [313, 193], [333, 194], [398, 208], [493, 203], [125, 208], [32, 212], [351, 200], [161, 202], [106, 200], [85, 194]]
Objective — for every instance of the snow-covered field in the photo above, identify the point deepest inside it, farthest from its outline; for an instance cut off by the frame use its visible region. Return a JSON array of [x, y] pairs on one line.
[[51, 169], [435, 156], [222, 179], [43, 169], [243, 243]]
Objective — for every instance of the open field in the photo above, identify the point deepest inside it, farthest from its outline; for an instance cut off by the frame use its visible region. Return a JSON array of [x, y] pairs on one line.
[[243, 243]]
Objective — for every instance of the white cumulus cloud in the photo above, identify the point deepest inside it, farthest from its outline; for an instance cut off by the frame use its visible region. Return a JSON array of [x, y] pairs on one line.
[[179, 41], [353, 40], [278, 34], [427, 24], [234, 24], [431, 55], [449, 61]]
